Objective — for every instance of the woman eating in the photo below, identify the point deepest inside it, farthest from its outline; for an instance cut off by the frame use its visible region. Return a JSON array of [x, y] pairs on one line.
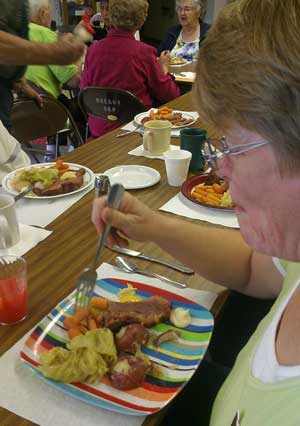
[[253, 49], [183, 40]]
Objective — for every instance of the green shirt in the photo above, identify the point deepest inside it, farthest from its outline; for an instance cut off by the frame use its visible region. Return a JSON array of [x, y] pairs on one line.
[[259, 404], [48, 77]]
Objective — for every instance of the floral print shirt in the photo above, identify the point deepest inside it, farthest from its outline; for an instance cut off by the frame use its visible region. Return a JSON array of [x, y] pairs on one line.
[[187, 50]]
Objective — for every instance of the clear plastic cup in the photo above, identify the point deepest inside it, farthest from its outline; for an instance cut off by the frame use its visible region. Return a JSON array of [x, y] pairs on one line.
[[13, 290]]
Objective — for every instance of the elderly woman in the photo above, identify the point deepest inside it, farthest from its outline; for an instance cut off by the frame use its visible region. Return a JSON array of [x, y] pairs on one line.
[[122, 62], [183, 40], [257, 109]]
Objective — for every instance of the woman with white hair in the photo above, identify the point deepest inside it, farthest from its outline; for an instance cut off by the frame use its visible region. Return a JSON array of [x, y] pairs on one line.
[[183, 40]]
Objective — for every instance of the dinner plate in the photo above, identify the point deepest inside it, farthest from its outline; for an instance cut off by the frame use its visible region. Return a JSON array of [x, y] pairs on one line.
[[133, 177], [139, 117], [176, 58], [187, 188], [174, 362], [88, 179]]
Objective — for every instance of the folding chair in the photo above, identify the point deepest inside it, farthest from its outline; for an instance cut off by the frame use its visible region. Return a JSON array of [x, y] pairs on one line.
[[116, 105], [30, 122]]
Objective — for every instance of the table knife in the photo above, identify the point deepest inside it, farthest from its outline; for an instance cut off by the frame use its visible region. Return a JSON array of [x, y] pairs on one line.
[[22, 194], [134, 253]]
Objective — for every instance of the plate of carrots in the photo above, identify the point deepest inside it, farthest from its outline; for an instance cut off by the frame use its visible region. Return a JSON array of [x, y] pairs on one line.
[[178, 119], [200, 190]]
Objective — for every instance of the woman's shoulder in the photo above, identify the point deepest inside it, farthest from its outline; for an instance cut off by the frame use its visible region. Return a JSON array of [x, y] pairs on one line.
[[144, 49], [174, 30], [40, 33]]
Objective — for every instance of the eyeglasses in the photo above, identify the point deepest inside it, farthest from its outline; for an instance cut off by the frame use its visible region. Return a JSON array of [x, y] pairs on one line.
[[215, 149], [185, 9]]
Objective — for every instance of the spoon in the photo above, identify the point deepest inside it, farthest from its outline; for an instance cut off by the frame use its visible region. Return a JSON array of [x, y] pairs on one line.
[[130, 267]]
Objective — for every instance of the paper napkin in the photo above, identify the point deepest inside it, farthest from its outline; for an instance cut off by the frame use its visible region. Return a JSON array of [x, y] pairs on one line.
[[29, 238], [41, 212], [140, 152], [183, 207], [185, 75]]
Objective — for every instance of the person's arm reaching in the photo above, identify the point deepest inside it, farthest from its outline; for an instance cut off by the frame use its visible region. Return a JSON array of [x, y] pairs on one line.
[[220, 255], [17, 51]]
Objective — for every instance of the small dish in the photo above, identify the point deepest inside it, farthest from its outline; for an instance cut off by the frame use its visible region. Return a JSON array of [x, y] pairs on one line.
[[187, 189], [133, 177], [177, 60]]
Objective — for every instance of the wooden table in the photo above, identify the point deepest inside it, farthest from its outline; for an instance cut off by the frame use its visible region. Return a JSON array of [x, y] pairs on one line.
[[54, 264]]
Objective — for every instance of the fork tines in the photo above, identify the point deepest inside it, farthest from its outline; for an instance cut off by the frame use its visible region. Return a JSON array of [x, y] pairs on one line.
[[83, 294]]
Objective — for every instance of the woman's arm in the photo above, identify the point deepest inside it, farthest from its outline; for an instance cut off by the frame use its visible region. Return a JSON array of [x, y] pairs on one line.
[[17, 51], [218, 254], [162, 85]]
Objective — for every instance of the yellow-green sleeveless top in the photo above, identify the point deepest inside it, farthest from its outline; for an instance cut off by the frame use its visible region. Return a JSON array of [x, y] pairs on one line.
[[259, 404]]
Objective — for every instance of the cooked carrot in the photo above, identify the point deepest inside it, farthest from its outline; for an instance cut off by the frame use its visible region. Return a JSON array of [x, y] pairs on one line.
[[79, 315], [73, 332], [164, 109], [200, 197], [204, 187], [218, 188], [99, 302], [212, 197], [91, 323], [70, 323], [83, 328], [60, 165], [200, 192]]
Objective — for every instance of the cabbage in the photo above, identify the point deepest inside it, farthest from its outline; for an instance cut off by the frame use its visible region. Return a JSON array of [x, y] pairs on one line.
[[100, 340], [80, 365], [44, 175]]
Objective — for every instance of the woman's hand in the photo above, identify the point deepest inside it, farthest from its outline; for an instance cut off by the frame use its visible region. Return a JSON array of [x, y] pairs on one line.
[[133, 220], [164, 60]]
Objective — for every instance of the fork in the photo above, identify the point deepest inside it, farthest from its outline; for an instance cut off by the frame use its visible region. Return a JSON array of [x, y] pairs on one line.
[[87, 279]]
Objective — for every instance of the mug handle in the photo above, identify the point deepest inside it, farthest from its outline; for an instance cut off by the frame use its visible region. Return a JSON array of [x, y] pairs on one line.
[[4, 232], [147, 139]]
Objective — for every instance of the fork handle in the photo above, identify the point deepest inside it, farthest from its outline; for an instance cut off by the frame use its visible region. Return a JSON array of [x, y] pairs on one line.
[[115, 196]]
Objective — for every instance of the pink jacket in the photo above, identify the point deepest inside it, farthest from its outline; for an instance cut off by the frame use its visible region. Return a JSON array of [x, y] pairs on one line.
[[122, 62]]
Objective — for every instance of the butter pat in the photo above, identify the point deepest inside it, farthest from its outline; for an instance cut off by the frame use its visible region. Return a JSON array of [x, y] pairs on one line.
[[180, 317]]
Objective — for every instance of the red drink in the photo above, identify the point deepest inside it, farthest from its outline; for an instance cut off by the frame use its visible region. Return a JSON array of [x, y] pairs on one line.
[[13, 293]]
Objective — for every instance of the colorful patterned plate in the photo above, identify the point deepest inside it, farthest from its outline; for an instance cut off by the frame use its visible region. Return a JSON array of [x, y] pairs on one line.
[[174, 362]]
